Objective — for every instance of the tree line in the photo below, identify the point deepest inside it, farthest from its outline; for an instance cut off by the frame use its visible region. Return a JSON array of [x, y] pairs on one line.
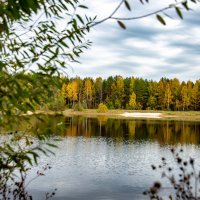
[[132, 93]]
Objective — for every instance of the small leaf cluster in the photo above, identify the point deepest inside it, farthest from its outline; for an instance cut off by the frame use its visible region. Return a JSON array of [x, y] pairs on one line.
[[50, 47], [179, 7]]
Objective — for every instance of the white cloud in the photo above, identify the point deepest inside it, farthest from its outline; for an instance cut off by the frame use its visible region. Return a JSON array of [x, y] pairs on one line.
[[146, 49], [161, 48]]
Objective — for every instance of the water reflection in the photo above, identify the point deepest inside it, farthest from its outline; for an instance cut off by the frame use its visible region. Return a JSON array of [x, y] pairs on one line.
[[119, 130], [165, 132]]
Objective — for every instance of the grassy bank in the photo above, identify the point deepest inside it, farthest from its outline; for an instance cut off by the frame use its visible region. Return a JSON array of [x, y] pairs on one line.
[[176, 115]]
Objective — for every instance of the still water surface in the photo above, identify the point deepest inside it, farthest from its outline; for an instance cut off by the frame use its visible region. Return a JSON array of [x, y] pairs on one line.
[[110, 159]]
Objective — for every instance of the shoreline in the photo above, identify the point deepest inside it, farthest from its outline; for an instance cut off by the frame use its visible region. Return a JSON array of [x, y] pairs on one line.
[[128, 114]]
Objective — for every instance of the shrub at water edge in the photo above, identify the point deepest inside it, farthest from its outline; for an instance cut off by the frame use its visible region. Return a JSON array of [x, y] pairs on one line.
[[102, 108]]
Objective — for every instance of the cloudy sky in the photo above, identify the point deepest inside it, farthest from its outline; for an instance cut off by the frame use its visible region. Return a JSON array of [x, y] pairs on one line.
[[146, 49]]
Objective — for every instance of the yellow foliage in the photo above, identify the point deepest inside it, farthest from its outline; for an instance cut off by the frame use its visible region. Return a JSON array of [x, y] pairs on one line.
[[102, 108]]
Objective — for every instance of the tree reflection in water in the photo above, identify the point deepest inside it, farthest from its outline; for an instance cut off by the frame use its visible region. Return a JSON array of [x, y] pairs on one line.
[[129, 130]]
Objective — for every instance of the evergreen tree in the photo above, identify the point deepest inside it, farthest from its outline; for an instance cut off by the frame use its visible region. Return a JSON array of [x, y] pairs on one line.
[[195, 96], [98, 87]]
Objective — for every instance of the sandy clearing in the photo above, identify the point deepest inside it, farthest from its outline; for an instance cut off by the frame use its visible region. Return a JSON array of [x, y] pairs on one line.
[[141, 115]]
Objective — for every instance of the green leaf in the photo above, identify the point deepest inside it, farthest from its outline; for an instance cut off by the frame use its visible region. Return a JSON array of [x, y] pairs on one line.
[[80, 18], [127, 5], [179, 13], [185, 5], [28, 159], [82, 6], [161, 20], [35, 156], [64, 44], [121, 24], [42, 150], [52, 145]]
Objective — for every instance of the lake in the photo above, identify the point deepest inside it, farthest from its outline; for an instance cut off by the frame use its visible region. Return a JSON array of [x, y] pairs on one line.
[[110, 159]]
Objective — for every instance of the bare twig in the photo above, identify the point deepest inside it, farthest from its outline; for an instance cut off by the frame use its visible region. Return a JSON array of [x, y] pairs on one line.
[[110, 16]]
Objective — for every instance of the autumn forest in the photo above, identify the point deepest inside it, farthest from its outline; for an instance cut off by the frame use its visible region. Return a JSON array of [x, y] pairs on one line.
[[131, 93]]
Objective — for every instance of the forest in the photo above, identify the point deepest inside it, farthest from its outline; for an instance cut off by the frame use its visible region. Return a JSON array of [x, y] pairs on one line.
[[130, 93]]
